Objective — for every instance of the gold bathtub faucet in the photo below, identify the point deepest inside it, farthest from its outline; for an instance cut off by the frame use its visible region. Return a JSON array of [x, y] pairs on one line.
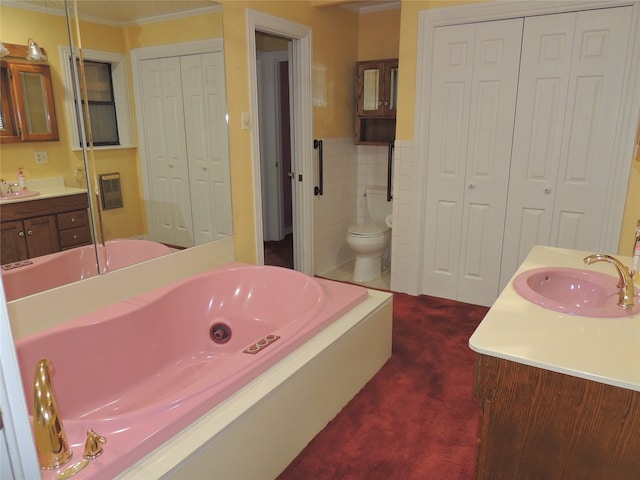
[[51, 440]]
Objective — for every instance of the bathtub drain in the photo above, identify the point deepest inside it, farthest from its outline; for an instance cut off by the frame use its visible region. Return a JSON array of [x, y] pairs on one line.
[[220, 333]]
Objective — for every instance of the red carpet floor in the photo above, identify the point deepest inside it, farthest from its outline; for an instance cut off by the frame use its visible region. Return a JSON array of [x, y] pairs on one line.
[[417, 418]]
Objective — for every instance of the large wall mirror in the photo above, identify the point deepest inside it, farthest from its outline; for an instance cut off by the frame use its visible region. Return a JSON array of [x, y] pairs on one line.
[[142, 117]]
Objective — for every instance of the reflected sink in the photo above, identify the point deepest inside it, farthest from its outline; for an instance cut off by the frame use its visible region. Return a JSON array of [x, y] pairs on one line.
[[573, 291], [19, 194]]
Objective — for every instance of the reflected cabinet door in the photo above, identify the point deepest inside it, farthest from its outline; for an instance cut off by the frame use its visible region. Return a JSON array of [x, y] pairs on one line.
[[28, 112]]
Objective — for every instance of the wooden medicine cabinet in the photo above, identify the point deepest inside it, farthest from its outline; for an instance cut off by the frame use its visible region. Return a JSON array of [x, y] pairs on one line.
[[376, 101], [26, 97]]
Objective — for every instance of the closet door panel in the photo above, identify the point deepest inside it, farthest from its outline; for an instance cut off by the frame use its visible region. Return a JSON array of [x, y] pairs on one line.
[[595, 89], [545, 69], [197, 130], [449, 125], [491, 116], [167, 154], [218, 145]]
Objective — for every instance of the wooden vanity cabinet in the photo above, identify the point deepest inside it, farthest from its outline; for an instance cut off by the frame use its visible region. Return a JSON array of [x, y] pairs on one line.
[[376, 101], [539, 424], [39, 227]]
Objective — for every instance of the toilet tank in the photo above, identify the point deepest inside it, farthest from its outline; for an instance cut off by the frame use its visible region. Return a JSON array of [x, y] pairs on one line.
[[377, 205]]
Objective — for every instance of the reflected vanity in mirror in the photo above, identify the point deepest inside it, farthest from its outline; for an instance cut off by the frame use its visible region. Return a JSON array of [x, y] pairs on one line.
[[173, 175]]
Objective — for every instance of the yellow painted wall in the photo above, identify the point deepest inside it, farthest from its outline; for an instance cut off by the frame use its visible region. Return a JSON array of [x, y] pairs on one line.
[[16, 26], [379, 35]]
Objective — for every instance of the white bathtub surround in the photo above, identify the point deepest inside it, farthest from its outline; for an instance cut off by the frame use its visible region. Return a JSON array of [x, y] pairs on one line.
[[259, 430], [604, 350], [71, 301], [236, 439]]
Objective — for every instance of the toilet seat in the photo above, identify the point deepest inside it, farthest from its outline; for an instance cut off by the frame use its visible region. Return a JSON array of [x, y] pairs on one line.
[[369, 229]]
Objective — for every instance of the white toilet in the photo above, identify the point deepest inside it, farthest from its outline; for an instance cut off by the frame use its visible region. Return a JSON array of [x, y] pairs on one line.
[[369, 240]]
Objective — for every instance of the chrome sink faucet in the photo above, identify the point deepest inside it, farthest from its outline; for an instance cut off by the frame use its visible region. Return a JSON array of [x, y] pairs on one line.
[[51, 439], [625, 282]]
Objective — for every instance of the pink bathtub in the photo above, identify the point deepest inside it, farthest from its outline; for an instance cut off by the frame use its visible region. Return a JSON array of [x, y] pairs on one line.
[[49, 271], [139, 371]]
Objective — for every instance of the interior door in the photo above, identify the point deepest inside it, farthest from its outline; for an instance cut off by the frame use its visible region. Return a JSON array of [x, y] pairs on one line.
[[473, 91], [167, 151], [568, 98]]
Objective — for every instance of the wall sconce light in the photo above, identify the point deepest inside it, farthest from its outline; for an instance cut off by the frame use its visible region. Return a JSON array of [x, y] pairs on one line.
[[34, 53], [3, 50]]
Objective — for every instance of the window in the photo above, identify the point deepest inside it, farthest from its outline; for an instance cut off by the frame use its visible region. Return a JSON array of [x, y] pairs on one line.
[[108, 99], [101, 103]]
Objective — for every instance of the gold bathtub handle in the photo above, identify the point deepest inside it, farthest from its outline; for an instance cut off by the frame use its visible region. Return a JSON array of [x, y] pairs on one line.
[[93, 445]]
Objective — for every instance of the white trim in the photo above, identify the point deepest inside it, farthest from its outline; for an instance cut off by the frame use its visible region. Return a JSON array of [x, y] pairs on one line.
[[52, 9], [138, 55], [119, 75], [302, 140], [627, 119]]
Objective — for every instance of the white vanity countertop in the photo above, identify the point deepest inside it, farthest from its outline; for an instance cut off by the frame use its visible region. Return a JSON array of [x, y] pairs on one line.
[[48, 187], [606, 350]]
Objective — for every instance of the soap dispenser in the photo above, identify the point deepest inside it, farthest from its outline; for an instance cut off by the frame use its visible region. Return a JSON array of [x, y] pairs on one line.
[[22, 181]]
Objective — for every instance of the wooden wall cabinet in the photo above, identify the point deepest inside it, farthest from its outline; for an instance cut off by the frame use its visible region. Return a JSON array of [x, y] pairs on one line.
[[39, 227], [27, 108], [376, 101], [539, 424]]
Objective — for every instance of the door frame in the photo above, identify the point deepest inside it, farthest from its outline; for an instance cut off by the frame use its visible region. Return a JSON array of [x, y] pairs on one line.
[[301, 138], [138, 55], [626, 124]]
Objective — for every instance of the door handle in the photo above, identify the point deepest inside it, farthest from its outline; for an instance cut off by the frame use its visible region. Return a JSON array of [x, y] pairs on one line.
[[291, 175]]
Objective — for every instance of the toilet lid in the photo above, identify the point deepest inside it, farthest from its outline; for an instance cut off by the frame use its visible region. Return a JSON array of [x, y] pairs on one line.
[[369, 229]]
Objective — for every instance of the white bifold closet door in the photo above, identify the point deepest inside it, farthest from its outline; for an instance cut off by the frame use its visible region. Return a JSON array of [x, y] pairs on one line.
[[507, 173], [473, 96], [568, 100], [184, 103]]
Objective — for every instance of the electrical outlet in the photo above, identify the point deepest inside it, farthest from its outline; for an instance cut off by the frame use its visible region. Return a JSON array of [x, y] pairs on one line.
[[40, 157]]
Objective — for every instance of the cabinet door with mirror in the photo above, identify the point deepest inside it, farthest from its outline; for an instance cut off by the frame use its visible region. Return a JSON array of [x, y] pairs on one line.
[[28, 112], [377, 89], [376, 101]]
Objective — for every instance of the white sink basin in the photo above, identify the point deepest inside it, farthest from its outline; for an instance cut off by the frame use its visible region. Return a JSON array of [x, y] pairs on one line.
[[573, 291]]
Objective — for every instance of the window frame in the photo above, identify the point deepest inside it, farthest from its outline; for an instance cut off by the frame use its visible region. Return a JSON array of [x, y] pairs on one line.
[[120, 82]]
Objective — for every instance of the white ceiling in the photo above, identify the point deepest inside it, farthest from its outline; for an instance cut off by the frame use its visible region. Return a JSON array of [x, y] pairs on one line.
[[126, 12]]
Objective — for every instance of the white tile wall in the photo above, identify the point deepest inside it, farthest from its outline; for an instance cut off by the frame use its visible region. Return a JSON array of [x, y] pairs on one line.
[[403, 188], [336, 209], [348, 170]]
